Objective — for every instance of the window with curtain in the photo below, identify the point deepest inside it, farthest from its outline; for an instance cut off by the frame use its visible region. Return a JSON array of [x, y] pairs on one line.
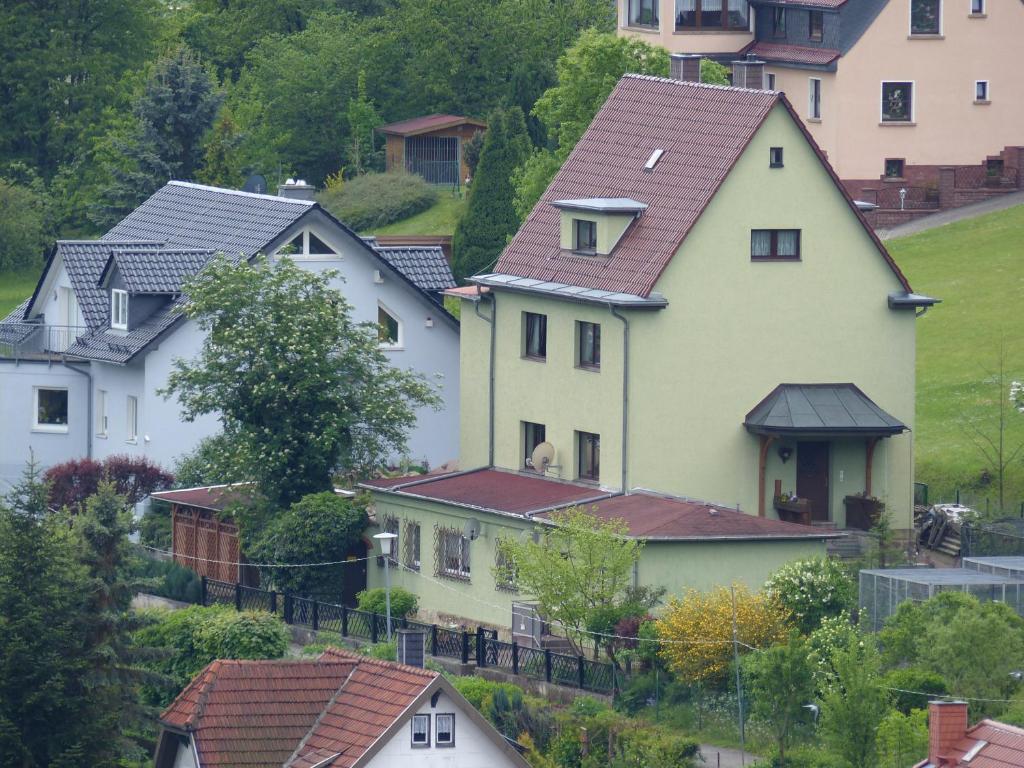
[[814, 98], [535, 329], [775, 244], [712, 14], [643, 13]]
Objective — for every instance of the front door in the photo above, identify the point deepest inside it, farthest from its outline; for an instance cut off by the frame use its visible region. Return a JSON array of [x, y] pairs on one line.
[[812, 477], [353, 580]]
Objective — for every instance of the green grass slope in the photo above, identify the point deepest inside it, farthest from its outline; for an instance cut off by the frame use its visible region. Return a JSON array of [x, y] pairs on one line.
[[439, 219], [15, 287], [976, 267]]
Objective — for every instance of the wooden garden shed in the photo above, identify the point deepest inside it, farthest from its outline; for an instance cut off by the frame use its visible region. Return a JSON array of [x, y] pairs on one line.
[[431, 146]]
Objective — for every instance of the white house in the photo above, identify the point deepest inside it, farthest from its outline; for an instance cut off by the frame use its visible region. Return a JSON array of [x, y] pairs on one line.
[[81, 360], [340, 710]]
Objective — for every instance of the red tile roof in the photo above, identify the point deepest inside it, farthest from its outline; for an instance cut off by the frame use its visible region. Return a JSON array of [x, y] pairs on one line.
[[1005, 747], [254, 713], [213, 497], [466, 291], [797, 54], [428, 123], [371, 700], [809, 3], [657, 517], [497, 490]]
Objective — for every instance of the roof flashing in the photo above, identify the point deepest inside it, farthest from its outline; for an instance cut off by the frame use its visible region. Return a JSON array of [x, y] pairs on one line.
[[602, 204]]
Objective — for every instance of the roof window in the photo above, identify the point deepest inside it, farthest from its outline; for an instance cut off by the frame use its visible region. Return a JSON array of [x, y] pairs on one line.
[[653, 159]]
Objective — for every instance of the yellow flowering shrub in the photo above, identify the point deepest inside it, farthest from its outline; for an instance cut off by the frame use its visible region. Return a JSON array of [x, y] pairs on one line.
[[697, 630]]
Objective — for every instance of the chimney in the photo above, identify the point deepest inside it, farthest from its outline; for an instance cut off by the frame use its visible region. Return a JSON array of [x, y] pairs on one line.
[[296, 189], [947, 724], [411, 647], [685, 66], [748, 73]]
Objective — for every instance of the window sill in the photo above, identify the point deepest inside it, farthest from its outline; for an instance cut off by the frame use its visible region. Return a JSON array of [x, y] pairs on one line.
[[389, 348], [894, 180], [775, 165], [774, 258], [642, 28], [454, 577], [534, 358], [132, 442], [445, 745], [588, 480], [53, 429], [982, 102], [977, 15], [100, 437], [928, 36], [897, 124], [591, 368], [689, 31], [816, 120]]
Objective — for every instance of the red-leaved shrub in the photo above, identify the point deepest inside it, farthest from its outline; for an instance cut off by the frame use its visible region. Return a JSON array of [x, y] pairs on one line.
[[135, 477]]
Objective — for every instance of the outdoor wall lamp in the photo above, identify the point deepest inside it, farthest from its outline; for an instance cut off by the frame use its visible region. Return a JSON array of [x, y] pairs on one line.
[[785, 452]]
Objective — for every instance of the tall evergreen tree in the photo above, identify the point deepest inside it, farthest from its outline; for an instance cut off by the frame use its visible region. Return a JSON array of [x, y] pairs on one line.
[[491, 217]]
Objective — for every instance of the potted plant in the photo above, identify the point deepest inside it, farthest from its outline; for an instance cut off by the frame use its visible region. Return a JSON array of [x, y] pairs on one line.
[[863, 511]]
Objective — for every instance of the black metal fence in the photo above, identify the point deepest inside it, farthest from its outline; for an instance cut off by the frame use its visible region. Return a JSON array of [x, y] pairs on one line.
[[481, 648]]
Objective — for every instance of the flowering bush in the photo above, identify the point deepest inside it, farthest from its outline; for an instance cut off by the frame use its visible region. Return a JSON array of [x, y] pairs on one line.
[[812, 590], [835, 634]]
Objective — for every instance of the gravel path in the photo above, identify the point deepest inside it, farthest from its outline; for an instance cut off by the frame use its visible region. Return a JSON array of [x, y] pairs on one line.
[[723, 757]]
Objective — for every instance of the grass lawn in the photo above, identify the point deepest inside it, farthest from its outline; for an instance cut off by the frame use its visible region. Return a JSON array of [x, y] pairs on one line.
[[440, 219], [977, 268], [15, 287]]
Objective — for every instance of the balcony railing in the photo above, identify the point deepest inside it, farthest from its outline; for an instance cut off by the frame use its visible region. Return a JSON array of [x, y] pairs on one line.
[[24, 340]]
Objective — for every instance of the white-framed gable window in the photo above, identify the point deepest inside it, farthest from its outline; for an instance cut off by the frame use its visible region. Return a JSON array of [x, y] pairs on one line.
[[814, 98], [119, 309], [307, 245], [977, 7], [50, 409], [101, 413], [390, 331], [420, 736], [444, 729], [132, 419]]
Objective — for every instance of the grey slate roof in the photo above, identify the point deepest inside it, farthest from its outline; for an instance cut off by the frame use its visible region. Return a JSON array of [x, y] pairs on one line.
[[835, 409], [163, 271], [118, 347], [425, 265], [184, 215]]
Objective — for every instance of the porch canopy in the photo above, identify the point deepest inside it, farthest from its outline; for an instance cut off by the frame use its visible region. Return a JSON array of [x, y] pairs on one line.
[[822, 411]]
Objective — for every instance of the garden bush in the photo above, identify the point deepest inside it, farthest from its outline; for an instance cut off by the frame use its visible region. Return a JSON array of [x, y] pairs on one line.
[[476, 689], [812, 590], [906, 679], [166, 578], [378, 199], [403, 602]]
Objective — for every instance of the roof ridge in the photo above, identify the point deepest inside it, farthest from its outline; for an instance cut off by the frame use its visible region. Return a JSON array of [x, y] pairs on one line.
[[692, 84], [223, 190], [998, 725], [159, 243], [327, 708], [360, 660]]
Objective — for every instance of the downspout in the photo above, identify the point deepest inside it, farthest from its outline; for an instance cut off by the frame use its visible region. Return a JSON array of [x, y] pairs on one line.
[[625, 392], [88, 409], [490, 384]]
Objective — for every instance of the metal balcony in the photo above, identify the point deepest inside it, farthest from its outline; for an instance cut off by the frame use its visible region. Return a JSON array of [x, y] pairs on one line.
[[37, 341]]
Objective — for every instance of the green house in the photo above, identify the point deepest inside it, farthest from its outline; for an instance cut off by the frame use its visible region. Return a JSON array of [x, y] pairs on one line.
[[694, 331]]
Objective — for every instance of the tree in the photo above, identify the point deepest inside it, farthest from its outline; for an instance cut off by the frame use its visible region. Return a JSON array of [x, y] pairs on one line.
[[490, 217], [714, 73], [697, 630], [321, 527], [363, 121], [221, 166], [72, 482], [811, 590], [24, 233], [780, 683], [852, 710], [301, 390], [575, 568], [902, 739]]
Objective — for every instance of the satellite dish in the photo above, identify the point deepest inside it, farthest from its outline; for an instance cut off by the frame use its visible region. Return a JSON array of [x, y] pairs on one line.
[[471, 530], [256, 184], [542, 457]]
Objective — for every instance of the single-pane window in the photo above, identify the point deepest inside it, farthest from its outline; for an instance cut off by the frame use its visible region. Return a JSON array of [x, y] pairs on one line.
[[817, 26], [775, 244], [590, 344], [388, 328], [412, 545], [589, 458], [897, 102], [101, 412], [452, 557], [536, 335], [775, 157], [737, 17], [977, 6], [421, 730], [390, 525], [894, 167], [533, 435], [788, 243], [981, 90], [925, 17], [643, 13], [585, 236], [769, 81], [132, 418], [778, 22], [51, 409], [318, 247], [814, 98], [445, 730], [119, 309]]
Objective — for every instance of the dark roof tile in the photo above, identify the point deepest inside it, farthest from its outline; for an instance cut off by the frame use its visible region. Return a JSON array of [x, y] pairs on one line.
[[796, 54], [426, 266], [163, 271], [428, 123]]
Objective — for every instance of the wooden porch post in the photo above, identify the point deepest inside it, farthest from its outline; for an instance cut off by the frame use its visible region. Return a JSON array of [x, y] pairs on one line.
[[870, 455], [766, 441]]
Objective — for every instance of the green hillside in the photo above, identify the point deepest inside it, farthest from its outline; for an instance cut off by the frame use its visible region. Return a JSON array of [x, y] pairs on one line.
[[439, 219], [977, 268], [15, 287]]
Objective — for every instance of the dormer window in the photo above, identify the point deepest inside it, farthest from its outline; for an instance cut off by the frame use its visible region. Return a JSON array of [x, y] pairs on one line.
[[119, 309], [584, 236]]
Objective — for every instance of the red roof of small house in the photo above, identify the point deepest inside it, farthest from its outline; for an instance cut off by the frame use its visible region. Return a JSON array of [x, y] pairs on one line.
[[494, 489], [428, 123], [1003, 747], [213, 497], [466, 291], [796, 54], [703, 129], [654, 517]]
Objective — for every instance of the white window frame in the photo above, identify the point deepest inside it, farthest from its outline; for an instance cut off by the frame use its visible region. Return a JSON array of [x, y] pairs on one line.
[[102, 421], [400, 342], [132, 419], [304, 253], [769, 81], [988, 92], [926, 35], [913, 103], [982, 9], [119, 309], [437, 730], [810, 98], [426, 732], [55, 428], [456, 548]]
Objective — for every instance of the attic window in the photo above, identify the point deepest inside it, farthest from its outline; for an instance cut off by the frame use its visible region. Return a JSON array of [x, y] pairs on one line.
[[653, 159], [119, 309], [389, 328], [584, 236], [307, 244], [775, 157]]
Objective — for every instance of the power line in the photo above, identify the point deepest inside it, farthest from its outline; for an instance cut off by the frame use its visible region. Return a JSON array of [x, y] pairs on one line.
[[196, 558]]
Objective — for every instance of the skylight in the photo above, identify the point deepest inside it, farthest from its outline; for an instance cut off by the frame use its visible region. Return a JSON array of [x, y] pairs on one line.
[[653, 159]]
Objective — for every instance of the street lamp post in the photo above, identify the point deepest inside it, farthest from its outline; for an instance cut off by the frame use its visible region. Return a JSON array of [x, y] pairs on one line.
[[385, 549]]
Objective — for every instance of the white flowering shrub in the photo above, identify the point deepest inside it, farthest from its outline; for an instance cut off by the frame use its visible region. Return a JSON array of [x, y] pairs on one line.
[[812, 590], [834, 634]]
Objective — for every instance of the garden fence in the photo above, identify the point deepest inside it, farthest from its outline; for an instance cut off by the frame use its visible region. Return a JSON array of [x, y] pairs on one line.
[[481, 647]]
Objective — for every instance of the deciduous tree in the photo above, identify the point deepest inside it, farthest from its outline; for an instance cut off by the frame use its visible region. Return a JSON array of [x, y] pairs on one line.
[[855, 706]]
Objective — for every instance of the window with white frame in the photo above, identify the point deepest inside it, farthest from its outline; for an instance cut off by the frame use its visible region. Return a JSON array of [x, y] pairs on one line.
[[897, 102], [981, 91], [451, 556], [769, 81], [50, 411], [389, 328], [444, 729], [306, 244], [132, 419], [977, 7], [101, 413], [925, 17], [814, 98], [421, 730], [119, 309]]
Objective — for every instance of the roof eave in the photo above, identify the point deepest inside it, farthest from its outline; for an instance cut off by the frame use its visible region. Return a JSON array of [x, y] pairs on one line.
[[910, 300], [637, 302]]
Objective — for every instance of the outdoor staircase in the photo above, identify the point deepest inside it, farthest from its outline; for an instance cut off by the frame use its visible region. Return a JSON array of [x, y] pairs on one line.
[[852, 546], [950, 543]]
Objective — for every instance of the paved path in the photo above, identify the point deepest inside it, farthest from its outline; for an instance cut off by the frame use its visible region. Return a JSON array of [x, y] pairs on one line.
[[953, 214], [723, 757]]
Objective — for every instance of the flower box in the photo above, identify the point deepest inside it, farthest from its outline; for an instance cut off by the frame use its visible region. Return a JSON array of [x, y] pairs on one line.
[[862, 512]]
